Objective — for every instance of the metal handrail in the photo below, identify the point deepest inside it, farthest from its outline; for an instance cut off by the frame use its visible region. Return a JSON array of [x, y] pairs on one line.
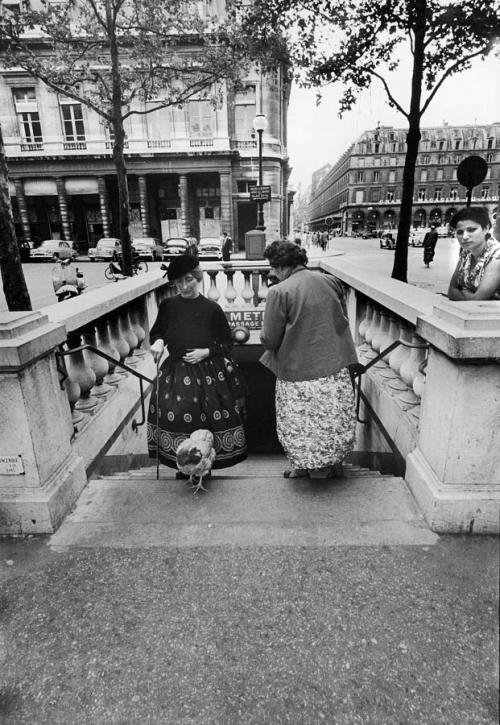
[[62, 353], [360, 369]]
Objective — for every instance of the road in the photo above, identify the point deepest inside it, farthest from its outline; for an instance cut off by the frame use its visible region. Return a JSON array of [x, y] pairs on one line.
[[365, 252]]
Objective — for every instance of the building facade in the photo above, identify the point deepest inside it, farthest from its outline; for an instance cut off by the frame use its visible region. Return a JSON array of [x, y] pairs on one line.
[[362, 192], [189, 169]]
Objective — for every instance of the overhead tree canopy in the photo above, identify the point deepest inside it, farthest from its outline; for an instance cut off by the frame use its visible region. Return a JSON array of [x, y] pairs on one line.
[[357, 42], [127, 57]]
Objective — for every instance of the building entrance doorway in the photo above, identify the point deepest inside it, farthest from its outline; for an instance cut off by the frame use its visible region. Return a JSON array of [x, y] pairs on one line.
[[247, 219]]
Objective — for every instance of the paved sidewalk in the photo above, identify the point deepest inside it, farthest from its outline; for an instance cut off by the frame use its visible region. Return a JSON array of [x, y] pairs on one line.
[[262, 602]]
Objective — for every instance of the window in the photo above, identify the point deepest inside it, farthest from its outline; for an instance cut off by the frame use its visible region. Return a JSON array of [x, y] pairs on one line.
[[72, 118], [359, 196], [439, 174], [392, 177], [393, 161], [201, 119], [485, 192], [360, 176], [441, 144], [437, 193], [209, 212], [441, 159], [457, 143], [244, 112], [453, 194], [490, 157], [375, 195], [28, 117], [426, 159], [490, 143], [376, 161], [423, 175], [377, 148], [376, 176], [389, 195], [421, 194], [243, 186]]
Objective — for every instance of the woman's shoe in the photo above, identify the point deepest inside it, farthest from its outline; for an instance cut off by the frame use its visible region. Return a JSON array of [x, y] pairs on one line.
[[295, 473], [325, 472]]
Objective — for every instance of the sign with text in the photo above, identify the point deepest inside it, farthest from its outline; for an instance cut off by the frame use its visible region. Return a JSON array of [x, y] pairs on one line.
[[260, 193], [11, 465], [251, 319]]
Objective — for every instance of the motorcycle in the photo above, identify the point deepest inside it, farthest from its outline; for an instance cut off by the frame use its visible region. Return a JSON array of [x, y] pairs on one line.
[[68, 281]]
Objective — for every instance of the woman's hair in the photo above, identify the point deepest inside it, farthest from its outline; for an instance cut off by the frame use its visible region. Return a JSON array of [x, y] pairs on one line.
[[197, 273], [478, 214], [285, 254]]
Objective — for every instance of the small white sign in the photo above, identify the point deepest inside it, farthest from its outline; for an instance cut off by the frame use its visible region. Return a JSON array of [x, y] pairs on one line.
[[11, 465]]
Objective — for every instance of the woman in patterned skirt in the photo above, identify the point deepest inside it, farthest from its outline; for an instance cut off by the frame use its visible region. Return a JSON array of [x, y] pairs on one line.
[[309, 348], [193, 386]]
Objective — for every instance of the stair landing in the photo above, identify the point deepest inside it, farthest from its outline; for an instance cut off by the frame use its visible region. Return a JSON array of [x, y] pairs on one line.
[[248, 505]]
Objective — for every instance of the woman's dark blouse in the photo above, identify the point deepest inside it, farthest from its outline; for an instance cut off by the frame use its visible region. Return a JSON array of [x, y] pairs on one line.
[[185, 324]]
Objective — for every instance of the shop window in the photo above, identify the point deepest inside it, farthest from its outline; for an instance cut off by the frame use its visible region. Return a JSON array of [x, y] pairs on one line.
[[209, 212]]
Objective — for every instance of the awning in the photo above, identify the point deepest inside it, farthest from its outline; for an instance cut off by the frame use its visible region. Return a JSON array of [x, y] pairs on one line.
[[81, 185], [40, 187]]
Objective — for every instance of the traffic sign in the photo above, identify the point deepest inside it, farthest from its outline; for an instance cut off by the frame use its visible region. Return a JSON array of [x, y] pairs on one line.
[[260, 193], [471, 172]]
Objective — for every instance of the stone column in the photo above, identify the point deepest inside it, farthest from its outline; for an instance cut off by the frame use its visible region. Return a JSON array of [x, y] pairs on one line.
[[23, 209], [184, 197], [40, 475], [103, 203], [63, 209], [143, 200], [226, 204]]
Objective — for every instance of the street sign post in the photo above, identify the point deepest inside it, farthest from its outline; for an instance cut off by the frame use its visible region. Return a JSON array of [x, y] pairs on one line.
[[471, 172], [260, 193]]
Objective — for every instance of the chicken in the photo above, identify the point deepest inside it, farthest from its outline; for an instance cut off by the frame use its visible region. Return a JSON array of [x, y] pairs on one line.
[[195, 457]]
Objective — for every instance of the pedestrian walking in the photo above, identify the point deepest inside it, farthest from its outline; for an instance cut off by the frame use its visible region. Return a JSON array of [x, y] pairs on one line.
[[309, 347], [477, 274], [196, 386], [430, 241], [227, 247]]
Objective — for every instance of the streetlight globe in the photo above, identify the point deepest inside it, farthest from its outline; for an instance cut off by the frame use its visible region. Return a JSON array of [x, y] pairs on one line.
[[260, 122]]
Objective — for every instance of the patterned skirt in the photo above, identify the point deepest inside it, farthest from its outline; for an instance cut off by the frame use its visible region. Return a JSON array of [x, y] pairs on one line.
[[191, 397], [316, 420]]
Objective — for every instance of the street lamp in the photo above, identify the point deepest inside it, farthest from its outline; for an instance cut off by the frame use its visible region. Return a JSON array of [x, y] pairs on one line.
[[260, 125]]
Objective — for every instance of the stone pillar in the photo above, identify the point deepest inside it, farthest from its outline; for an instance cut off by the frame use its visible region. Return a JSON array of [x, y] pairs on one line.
[[226, 204], [143, 200], [63, 209], [103, 203], [40, 475], [23, 209], [454, 472], [184, 197]]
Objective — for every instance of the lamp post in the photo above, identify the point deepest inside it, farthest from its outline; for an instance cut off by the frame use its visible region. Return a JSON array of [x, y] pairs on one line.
[[260, 125]]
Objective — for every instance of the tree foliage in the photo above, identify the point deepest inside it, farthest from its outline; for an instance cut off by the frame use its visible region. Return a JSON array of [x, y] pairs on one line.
[[126, 57], [358, 42]]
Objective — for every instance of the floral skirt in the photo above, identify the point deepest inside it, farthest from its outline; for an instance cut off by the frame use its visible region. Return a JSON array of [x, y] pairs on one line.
[[191, 397], [316, 420]]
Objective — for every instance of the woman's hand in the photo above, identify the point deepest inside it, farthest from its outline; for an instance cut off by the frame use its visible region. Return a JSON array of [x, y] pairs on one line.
[[157, 349], [197, 355]]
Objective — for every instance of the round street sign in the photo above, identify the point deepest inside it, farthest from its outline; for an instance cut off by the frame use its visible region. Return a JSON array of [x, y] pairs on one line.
[[472, 171]]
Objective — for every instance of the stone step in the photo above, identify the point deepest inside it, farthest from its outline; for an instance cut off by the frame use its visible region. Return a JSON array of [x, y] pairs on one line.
[[249, 505]]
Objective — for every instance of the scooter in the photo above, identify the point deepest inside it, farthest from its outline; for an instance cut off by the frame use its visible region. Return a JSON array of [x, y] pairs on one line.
[[68, 281]]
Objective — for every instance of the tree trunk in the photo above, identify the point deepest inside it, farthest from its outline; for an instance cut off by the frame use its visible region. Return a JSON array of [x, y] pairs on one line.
[[118, 157], [14, 284], [400, 268]]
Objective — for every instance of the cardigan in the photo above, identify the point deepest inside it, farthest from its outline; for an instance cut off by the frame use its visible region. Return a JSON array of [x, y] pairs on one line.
[[306, 331]]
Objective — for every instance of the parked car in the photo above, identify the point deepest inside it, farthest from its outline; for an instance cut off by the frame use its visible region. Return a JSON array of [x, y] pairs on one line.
[[106, 249], [51, 249], [388, 239], [148, 248], [371, 234], [210, 248], [175, 246], [417, 237]]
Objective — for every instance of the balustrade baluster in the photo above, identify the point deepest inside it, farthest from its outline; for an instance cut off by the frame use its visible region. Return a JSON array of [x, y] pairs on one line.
[[263, 289], [213, 293], [397, 358], [73, 392], [363, 326], [118, 341], [409, 370], [392, 336], [230, 293], [381, 337], [370, 332], [138, 330], [79, 371], [104, 344], [98, 364], [247, 291]]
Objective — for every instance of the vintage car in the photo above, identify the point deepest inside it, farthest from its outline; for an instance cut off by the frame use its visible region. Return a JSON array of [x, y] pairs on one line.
[[106, 249], [210, 248], [175, 246], [51, 249], [148, 248], [388, 239]]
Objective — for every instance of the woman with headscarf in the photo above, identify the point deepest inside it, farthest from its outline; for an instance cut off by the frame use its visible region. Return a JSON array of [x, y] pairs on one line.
[[309, 347], [194, 390]]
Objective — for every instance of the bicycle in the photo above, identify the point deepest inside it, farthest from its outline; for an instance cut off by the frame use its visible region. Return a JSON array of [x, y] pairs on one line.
[[113, 271]]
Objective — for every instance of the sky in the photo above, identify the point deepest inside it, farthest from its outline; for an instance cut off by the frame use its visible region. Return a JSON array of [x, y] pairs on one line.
[[316, 136]]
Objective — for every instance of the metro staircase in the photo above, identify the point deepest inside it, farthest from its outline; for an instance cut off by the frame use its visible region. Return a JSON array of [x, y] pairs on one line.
[[250, 505]]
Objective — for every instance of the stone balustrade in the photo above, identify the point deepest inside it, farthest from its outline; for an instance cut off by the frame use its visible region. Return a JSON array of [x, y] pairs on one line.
[[433, 403]]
